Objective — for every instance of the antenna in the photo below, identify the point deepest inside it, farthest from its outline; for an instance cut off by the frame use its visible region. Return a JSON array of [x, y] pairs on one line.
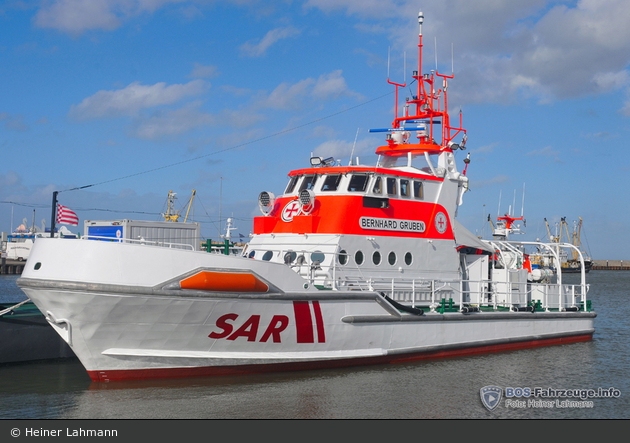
[[436, 66], [513, 204], [523, 204], [355, 143], [499, 210]]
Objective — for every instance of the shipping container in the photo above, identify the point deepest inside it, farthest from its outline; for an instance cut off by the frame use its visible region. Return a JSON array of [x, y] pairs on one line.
[[162, 233]]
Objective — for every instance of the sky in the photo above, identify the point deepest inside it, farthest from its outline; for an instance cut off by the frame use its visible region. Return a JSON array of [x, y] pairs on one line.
[[131, 99]]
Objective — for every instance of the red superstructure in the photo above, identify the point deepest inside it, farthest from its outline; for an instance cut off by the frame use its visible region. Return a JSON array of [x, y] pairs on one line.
[[406, 184]]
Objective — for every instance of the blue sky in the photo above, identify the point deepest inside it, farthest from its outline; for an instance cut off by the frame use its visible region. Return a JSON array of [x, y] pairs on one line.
[[139, 97]]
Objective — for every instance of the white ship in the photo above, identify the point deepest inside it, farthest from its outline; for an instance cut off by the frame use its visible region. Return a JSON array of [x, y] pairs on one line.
[[351, 265]]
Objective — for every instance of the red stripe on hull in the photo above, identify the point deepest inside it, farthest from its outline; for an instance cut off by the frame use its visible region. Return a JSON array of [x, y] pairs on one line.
[[146, 374], [303, 322], [319, 320]]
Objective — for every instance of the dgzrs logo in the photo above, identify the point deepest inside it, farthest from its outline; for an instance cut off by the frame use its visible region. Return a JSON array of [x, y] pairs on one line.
[[518, 392]]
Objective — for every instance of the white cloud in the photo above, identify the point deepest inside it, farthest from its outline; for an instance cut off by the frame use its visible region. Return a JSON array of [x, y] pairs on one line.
[[611, 80], [13, 122], [506, 50], [204, 71], [259, 48], [547, 151], [288, 96], [165, 123], [342, 149], [131, 99], [292, 96], [331, 85], [78, 16]]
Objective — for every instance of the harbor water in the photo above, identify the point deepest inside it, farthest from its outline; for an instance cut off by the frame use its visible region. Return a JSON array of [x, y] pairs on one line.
[[446, 388]]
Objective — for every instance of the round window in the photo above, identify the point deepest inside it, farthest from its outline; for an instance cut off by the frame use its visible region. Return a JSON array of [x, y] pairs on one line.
[[251, 254], [343, 257], [267, 256], [376, 258], [358, 258], [391, 258], [408, 258], [317, 257]]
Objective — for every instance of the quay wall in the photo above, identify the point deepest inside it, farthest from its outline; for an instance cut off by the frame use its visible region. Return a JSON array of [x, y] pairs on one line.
[[611, 265], [11, 266]]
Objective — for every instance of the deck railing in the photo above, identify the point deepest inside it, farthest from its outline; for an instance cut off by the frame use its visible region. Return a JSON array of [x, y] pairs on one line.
[[512, 291], [141, 241]]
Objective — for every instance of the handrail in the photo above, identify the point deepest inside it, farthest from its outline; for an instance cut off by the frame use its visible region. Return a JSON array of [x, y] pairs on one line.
[[559, 265], [408, 288], [140, 241]]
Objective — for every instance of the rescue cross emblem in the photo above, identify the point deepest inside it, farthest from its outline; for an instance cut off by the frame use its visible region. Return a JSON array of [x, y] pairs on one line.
[[290, 210], [441, 223]]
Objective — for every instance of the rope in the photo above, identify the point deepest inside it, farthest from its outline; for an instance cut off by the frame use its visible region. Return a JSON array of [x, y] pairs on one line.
[[6, 311]]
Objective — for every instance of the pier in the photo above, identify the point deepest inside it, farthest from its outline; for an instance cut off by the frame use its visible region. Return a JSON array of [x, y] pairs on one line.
[[11, 266], [611, 265]]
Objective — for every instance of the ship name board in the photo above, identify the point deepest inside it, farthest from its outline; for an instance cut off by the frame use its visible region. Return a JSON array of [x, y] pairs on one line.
[[390, 224]]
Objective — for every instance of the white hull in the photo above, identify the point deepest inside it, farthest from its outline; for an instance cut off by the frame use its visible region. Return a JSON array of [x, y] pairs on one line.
[[124, 324]]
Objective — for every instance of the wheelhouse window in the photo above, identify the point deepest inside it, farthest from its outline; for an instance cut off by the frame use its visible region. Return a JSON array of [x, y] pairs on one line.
[[331, 183], [291, 186], [391, 186], [405, 191], [378, 186], [358, 183], [418, 190], [308, 182]]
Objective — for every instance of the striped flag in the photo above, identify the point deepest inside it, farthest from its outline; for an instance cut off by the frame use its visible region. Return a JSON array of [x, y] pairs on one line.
[[66, 216]]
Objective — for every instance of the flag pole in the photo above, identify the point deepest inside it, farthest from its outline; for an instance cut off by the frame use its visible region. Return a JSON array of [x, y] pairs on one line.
[[54, 214]]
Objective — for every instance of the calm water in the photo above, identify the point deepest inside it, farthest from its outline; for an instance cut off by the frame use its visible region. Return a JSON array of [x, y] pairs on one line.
[[446, 388]]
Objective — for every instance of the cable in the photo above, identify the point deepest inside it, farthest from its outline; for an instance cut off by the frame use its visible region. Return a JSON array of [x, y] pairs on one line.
[[285, 131]]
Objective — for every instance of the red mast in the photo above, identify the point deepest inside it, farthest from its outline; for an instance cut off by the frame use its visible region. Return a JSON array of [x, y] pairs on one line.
[[428, 109]]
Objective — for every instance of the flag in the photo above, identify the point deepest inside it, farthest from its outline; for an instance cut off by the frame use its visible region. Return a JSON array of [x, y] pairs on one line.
[[66, 216]]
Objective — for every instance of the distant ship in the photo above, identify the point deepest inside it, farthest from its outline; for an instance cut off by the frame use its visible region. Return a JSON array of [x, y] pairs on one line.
[[570, 260]]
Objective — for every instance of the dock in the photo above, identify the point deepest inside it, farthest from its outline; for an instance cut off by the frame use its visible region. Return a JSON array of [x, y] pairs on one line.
[[11, 266], [611, 265]]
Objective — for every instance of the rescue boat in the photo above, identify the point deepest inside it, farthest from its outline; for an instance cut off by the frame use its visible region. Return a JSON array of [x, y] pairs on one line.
[[350, 265]]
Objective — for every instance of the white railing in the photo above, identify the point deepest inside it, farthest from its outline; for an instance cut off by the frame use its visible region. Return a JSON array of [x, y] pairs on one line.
[[141, 241], [508, 291]]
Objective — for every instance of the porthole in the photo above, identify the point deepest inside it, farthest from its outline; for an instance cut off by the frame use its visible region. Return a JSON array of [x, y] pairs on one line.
[[251, 254], [358, 258], [408, 259], [376, 258], [343, 257], [391, 258], [37, 265], [267, 256], [317, 257]]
